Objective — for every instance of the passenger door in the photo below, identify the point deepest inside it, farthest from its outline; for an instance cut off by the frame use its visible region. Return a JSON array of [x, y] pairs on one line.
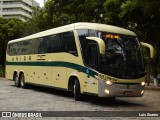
[[92, 55], [92, 62]]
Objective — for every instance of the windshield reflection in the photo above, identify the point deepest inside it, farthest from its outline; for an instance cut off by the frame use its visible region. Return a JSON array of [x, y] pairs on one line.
[[123, 58]]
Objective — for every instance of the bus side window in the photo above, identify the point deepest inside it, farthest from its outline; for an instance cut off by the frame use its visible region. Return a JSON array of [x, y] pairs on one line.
[[53, 44], [42, 45], [68, 43], [14, 50], [10, 49]]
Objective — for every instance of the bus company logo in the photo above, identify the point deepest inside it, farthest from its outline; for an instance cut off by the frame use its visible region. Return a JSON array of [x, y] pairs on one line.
[[6, 114]]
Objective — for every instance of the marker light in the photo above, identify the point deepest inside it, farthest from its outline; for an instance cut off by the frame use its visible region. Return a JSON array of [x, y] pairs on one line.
[[108, 82], [142, 83], [111, 36], [142, 91], [106, 91]]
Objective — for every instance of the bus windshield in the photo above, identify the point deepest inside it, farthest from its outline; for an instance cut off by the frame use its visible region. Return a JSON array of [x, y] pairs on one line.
[[123, 57]]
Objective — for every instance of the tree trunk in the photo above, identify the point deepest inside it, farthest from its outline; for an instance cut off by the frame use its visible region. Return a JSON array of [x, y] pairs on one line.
[[155, 63]]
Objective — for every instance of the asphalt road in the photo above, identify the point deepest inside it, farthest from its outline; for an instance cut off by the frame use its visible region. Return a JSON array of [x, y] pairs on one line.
[[44, 99]]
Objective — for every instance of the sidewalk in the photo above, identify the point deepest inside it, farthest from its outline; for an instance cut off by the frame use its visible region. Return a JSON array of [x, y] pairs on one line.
[[152, 87]]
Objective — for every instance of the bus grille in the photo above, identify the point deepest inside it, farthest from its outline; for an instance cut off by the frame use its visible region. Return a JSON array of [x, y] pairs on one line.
[[126, 86]]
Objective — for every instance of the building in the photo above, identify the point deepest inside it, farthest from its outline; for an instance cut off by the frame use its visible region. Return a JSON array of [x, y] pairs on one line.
[[17, 8]]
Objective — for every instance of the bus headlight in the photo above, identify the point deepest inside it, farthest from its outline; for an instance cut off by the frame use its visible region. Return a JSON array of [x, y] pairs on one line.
[[108, 82], [142, 92], [106, 91], [142, 83]]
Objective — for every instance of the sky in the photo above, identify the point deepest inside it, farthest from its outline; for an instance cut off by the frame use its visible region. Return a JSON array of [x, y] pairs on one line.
[[40, 2]]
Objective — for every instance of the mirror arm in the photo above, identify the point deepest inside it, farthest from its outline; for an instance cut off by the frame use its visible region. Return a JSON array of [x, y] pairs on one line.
[[150, 48], [100, 42]]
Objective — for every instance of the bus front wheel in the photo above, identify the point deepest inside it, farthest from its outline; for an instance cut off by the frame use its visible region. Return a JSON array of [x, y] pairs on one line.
[[76, 90], [16, 80]]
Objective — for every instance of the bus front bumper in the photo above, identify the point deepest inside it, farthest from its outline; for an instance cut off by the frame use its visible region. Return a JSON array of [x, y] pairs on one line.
[[120, 90]]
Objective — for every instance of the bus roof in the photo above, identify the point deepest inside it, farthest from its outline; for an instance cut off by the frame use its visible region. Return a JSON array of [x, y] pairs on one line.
[[104, 27], [80, 25]]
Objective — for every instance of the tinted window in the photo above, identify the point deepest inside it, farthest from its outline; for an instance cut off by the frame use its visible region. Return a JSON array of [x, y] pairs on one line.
[[42, 45], [48, 44], [82, 34], [62, 42], [21, 48], [29, 47], [92, 55], [12, 49], [68, 43], [53, 44]]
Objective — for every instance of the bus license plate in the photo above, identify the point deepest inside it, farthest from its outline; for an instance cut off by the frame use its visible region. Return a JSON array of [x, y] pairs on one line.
[[128, 93]]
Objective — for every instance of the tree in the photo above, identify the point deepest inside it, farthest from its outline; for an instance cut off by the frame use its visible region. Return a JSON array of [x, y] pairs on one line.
[[141, 16], [10, 29], [59, 12]]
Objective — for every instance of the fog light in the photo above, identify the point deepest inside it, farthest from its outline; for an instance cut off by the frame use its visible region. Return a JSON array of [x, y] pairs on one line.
[[142, 92], [142, 83], [106, 91], [108, 82]]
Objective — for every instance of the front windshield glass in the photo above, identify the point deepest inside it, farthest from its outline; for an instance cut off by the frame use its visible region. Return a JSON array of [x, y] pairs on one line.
[[123, 57]]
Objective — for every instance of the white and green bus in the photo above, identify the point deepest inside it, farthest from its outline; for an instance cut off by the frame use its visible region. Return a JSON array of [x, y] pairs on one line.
[[85, 58]]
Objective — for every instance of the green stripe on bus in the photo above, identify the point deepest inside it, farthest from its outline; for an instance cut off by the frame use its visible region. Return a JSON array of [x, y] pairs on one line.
[[57, 64]]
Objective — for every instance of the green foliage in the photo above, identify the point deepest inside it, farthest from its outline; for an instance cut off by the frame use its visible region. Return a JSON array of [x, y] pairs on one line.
[[10, 29], [61, 12], [113, 9], [140, 16]]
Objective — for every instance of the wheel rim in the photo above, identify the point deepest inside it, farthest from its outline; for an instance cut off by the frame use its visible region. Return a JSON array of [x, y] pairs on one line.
[[16, 79], [22, 82], [74, 88]]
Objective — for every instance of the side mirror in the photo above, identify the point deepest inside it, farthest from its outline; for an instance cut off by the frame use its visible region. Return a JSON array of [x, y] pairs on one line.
[[150, 48], [100, 42]]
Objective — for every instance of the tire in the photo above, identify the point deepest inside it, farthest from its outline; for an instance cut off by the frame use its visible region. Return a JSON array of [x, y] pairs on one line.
[[16, 80], [22, 81], [76, 90]]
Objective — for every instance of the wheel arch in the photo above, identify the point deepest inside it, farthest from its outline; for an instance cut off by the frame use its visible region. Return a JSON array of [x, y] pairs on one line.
[[71, 82], [14, 73], [21, 72]]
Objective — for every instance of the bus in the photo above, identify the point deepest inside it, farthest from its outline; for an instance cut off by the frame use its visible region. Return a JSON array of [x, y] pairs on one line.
[[84, 58]]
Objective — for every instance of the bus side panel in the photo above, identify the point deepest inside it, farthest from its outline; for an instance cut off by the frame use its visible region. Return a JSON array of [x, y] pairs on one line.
[[59, 77], [9, 72], [91, 85], [40, 75], [9, 68]]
